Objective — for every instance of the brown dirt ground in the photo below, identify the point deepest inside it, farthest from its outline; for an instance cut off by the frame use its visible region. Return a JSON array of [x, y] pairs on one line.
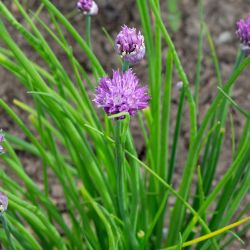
[[220, 16]]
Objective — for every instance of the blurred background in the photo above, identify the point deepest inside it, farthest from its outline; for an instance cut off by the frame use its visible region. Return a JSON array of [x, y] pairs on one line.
[[182, 19]]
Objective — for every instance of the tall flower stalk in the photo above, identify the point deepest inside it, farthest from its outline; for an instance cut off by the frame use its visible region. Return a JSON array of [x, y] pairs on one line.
[[125, 66], [120, 136], [122, 96], [108, 202], [89, 8], [88, 30], [119, 155]]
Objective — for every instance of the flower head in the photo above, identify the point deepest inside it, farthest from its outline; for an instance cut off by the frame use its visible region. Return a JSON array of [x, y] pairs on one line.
[[121, 93], [88, 7], [1, 140], [3, 203], [243, 31], [130, 45]]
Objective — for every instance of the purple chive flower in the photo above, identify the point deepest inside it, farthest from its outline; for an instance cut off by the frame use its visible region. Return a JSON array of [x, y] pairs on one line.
[[130, 45], [88, 7], [243, 31], [1, 140], [3, 203], [121, 93]]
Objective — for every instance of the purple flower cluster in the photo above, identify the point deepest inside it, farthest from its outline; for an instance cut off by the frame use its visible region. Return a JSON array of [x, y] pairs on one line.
[[3, 203], [121, 93], [130, 45], [88, 7], [243, 31], [1, 140]]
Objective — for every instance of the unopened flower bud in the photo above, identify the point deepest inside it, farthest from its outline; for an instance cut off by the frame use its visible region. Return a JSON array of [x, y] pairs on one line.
[[130, 45], [88, 7]]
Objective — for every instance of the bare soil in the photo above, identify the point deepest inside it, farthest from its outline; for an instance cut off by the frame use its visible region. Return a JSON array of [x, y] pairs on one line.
[[220, 17]]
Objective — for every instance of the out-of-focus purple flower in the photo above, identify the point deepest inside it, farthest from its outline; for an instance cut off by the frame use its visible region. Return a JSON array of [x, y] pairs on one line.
[[121, 93], [1, 140], [88, 7], [3, 203], [130, 45], [243, 31]]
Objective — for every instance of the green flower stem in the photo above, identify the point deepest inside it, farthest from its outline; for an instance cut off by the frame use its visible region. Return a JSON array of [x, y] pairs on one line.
[[119, 154], [120, 172], [88, 39], [68, 26], [6, 229], [138, 193], [135, 175], [125, 66], [88, 30]]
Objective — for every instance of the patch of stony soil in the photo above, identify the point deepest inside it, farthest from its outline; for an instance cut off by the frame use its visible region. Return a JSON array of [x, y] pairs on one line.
[[220, 16]]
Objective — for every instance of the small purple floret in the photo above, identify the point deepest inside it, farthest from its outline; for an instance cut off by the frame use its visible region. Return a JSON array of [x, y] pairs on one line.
[[121, 93], [130, 45], [3, 203], [243, 30], [1, 140], [88, 7]]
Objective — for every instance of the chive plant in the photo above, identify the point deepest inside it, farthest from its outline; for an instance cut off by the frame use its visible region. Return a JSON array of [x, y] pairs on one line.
[[114, 199]]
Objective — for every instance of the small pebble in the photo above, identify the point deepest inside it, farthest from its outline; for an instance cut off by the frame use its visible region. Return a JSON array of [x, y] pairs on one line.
[[224, 37]]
